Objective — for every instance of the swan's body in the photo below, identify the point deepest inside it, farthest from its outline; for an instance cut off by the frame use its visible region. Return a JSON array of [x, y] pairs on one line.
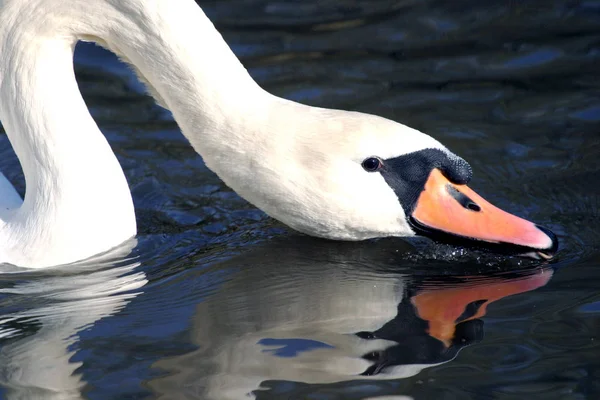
[[301, 165]]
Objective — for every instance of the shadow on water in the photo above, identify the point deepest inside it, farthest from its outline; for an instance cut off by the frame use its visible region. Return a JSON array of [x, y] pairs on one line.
[[218, 301]]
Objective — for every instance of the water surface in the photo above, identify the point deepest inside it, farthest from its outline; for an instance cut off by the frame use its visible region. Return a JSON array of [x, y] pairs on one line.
[[214, 300]]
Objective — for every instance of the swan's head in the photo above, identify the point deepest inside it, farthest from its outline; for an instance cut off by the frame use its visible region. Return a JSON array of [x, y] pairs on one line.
[[353, 176]]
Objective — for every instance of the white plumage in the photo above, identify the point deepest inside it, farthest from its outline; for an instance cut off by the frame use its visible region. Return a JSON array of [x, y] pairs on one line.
[[300, 164]]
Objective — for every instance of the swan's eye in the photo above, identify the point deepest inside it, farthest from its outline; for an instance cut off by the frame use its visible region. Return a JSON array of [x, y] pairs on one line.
[[372, 164]]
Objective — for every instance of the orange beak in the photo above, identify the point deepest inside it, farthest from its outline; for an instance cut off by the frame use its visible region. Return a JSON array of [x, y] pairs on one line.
[[445, 208]]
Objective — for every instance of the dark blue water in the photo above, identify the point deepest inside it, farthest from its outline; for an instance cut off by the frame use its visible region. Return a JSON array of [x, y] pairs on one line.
[[214, 300]]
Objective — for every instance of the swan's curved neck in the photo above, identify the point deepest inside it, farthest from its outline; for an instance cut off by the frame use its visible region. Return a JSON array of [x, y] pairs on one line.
[[191, 68], [77, 200]]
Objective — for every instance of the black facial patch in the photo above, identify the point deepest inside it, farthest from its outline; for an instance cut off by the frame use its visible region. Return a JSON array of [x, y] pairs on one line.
[[407, 174]]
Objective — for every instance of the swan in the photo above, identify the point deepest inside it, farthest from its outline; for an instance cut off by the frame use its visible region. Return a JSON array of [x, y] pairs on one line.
[[327, 173]]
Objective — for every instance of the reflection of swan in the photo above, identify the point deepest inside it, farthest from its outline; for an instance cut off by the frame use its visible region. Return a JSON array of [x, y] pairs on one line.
[[328, 173], [38, 366], [322, 313]]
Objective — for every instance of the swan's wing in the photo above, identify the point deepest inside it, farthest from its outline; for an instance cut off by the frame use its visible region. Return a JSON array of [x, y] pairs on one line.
[[9, 198]]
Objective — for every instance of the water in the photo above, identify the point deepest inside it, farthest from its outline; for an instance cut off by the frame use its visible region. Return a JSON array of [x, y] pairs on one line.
[[215, 301]]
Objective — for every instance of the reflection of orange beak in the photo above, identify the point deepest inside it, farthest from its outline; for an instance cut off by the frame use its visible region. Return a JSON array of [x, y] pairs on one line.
[[445, 207], [443, 307]]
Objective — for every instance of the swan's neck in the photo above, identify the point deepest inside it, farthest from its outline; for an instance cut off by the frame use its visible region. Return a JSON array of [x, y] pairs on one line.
[[77, 200], [191, 70]]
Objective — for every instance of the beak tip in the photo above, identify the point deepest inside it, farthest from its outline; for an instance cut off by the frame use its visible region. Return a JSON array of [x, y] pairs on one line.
[[553, 239]]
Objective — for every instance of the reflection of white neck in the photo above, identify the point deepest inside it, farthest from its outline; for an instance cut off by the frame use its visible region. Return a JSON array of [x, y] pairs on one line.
[[39, 366], [324, 304], [77, 201]]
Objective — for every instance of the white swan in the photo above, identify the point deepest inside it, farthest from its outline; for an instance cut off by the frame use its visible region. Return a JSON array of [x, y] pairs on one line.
[[328, 173]]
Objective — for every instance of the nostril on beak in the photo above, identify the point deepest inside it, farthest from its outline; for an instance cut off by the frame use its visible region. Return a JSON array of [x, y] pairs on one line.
[[462, 199], [473, 206]]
